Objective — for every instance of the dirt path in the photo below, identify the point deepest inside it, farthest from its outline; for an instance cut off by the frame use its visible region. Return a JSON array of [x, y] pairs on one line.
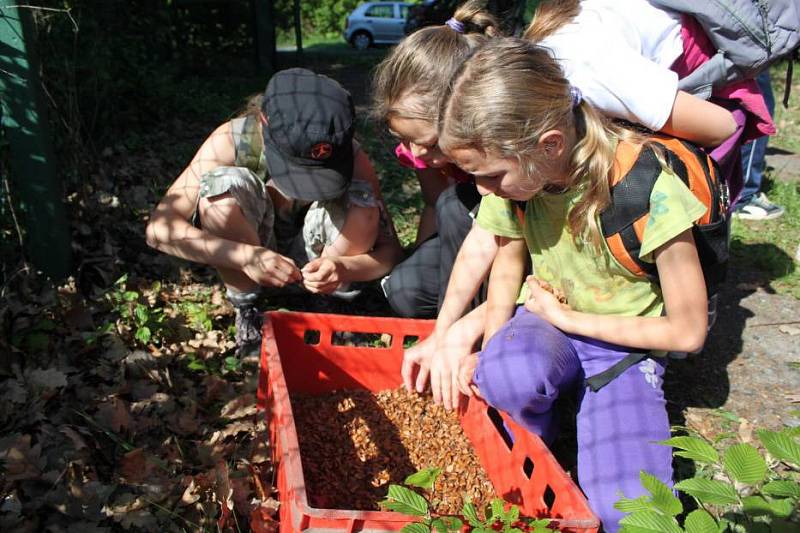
[[750, 364]]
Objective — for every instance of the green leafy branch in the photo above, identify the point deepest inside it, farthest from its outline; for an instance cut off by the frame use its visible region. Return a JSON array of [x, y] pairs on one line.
[[736, 489], [404, 499]]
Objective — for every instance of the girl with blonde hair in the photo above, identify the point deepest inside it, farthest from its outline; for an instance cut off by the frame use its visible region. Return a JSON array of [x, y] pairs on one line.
[[536, 147], [406, 88]]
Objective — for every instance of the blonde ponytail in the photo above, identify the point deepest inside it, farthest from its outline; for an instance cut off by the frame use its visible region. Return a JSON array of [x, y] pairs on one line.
[[549, 17], [419, 69], [476, 19]]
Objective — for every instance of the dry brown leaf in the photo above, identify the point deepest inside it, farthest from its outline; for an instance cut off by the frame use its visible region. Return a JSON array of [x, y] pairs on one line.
[[215, 389], [135, 467], [223, 493], [20, 460], [745, 431], [789, 330], [74, 436], [234, 428], [244, 405], [191, 494], [114, 414]]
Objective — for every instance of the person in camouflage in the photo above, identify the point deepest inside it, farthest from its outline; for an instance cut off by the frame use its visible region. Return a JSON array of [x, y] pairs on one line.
[[281, 196]]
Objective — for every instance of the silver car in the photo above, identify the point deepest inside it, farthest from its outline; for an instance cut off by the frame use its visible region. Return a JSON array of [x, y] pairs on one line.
[[376, 23]]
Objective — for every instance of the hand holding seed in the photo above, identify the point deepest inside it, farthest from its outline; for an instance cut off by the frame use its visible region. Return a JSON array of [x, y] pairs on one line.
[[546, 301]]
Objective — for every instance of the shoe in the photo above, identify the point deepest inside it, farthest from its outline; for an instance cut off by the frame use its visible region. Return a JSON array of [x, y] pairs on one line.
[[248, 331], [758, 208]]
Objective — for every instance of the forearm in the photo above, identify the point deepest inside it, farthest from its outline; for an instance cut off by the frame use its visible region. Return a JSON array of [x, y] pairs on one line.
[[369, 266], [650, 333], [358, 235], [469, 270], [467, 330], [505, 280], [699, 121], [181, 239]]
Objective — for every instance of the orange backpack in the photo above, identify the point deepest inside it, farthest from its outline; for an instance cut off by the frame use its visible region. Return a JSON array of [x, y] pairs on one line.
[[625, 218], [623, 221]]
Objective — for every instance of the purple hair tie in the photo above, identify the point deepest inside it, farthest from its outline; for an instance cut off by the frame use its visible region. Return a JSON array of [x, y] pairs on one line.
[[455, 25], [576, 95]]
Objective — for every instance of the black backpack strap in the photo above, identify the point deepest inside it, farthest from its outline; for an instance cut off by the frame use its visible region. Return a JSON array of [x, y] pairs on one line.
[[598, 381], [630, 201]]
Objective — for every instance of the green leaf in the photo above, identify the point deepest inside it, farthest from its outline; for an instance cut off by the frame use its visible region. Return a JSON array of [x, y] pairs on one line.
[[759, 506], [693, 448], [197, 364], [130, 296], [708, 490], [512, 514], [470, 512], [727, 415], [141, 313], [700, 521], [232, 363], [663, 498], [756, 506], [439, 526], [445, 524], [744, 464], [143, 335], [781, 445], [415, 527], [789, 489], [423, 479], [497, 509], [650, 522], [782, 508], [404, 500], [632, 505]]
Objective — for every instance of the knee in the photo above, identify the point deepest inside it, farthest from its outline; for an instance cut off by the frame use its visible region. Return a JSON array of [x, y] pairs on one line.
[[217, 214], [406, 298], [526, 361]]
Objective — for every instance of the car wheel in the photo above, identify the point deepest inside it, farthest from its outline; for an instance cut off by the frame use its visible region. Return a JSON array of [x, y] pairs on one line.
[[361, 40]]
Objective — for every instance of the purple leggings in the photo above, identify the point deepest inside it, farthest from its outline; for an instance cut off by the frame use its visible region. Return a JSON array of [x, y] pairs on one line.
[[528, 362]]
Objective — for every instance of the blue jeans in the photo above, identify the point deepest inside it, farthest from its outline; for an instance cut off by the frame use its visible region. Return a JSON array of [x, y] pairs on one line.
[[756, 149]]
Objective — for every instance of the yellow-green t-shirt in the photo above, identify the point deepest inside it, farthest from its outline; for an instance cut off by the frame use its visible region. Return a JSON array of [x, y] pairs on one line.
[[591, 279]]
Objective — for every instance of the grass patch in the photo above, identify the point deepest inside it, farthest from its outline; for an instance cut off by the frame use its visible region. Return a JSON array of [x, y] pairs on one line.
[[786, 119], [769, 246]]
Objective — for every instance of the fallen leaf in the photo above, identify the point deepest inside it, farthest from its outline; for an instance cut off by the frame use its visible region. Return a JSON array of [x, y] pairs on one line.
[[20, 460], [745, 431], [74, 436], [134, 466], [224, 493], [789, 330], [190, 495], [114, 414], [244, 405]]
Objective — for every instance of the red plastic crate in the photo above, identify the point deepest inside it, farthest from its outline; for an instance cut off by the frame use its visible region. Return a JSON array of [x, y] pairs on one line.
[[523, 472]]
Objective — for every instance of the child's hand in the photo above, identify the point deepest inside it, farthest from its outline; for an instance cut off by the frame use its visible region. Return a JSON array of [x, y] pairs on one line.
[[546, 301], [269, 268], [450, 350], [417, 364], [322, 275], [466, 371]]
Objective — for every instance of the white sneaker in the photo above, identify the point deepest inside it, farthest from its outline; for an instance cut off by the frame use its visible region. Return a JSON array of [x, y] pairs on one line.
[[758, 208]]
